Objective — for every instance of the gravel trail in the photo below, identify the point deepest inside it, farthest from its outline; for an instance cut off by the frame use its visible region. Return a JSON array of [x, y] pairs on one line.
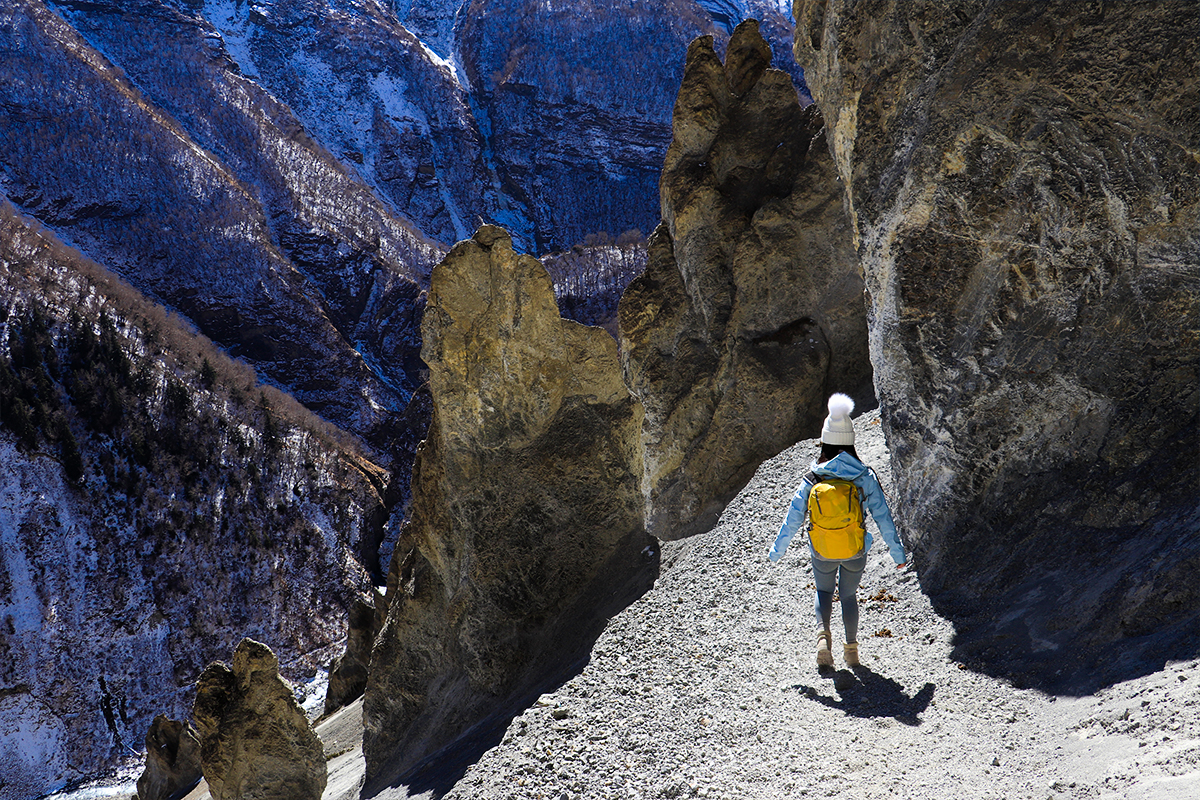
[[708, 687]]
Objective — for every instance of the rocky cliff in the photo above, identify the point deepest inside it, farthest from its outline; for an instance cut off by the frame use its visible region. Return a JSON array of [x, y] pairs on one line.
[[1023, 193], [577, 138], [525, 529], [750, 311], [157, 504]]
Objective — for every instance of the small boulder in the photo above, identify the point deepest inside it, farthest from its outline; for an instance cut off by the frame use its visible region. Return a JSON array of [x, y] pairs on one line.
[[172, 760]]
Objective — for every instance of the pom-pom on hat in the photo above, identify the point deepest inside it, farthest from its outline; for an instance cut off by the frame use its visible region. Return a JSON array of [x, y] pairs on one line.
[[838, 429]]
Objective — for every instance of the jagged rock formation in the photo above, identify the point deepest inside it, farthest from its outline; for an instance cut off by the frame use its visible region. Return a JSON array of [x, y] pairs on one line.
[[157, 504], [751, 307], [348, 672], [172, 760], [1024, 195], [525, 530], [255, 742]]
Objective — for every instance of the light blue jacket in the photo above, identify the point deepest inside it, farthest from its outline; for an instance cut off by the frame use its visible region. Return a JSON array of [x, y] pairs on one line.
[[849, 468]]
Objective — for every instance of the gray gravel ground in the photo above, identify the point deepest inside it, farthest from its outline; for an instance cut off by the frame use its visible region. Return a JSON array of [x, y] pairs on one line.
[[708, 687]]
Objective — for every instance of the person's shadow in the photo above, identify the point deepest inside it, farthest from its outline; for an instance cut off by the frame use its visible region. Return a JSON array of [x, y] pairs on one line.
[[864, 693]]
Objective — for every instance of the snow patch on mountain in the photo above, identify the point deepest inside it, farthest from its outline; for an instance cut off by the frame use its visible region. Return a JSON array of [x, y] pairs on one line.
[[446, 64], [431, 21], [231, 18], [392, 91]]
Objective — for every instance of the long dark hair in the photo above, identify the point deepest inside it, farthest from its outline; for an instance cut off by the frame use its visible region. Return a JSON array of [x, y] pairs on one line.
[[828, 451]]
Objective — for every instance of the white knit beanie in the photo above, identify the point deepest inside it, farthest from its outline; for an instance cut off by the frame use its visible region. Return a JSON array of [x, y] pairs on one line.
[[838, 428]]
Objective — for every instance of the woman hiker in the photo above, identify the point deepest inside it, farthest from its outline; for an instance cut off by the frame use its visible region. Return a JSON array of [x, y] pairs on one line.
[[833, 495]]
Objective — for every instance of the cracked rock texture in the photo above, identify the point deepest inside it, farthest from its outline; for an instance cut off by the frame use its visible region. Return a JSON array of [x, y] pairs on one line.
[[750, 311], [525, 530], [172, 760], [348, 672], [255, 742], [1023, 193]]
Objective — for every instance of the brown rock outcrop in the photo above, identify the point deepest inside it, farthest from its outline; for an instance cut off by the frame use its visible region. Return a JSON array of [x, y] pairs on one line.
[[525, 527], [255, 742], [348, 672], [172, 760], [751, 308], [1023, 189]]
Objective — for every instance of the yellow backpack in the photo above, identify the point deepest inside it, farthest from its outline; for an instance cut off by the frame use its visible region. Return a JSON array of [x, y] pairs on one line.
[[835, 517]]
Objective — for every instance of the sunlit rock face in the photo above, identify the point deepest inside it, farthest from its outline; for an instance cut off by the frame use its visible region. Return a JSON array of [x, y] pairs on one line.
[[1023, 192], [525, 528], [255, 742], [751, 308]]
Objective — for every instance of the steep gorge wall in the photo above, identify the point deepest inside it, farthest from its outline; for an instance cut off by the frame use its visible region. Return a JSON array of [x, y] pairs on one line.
[[1023, 189]]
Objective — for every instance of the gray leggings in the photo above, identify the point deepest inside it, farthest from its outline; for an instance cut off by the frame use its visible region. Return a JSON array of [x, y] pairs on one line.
[[846, 574]]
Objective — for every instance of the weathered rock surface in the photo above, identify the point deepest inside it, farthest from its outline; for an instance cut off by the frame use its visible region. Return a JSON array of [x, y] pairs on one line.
[[751, 308], [255, 742], [348, 672], [1024, 195], [172, 760], [525, 530]]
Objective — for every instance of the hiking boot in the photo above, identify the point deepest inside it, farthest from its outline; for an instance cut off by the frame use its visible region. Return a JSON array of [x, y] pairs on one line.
[[824, 656], [850, 654]]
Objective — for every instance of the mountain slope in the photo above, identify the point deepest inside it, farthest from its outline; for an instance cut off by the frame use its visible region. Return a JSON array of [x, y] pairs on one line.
[[223, 210], [157, 504]]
